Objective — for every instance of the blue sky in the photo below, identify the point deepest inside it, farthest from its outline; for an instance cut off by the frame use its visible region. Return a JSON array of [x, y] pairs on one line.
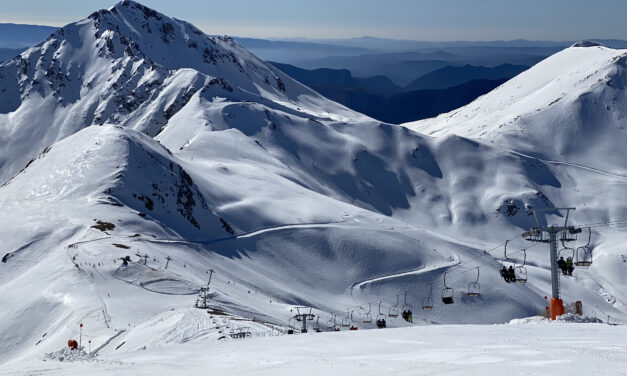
[[403, 19]]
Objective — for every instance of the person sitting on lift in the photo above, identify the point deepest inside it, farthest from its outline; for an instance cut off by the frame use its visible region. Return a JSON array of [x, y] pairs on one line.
[[562, 265], [569, 266], [511, 274], [405, 315], [505, 274]]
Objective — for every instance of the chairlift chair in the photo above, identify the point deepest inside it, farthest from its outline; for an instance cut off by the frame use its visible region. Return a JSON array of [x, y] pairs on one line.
[[520, 272], [407, 306], [566, 252], [336, 327], [427, 301], [473, 287], [346, 321], [393, 311], [583, 256], [331, 323], [381, 318], [447, 293], [316, 326], [367, 317]]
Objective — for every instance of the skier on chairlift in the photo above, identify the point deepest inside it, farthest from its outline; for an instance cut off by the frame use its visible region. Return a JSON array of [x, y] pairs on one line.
[[511, 274], [569, 266], [562, 265], [505, 274]]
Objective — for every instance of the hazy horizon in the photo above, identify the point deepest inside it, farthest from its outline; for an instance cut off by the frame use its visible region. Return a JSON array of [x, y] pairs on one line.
[[415, 20]]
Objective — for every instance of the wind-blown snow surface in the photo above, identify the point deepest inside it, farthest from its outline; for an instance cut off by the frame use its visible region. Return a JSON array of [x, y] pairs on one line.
[[133, 134], [586, 349]]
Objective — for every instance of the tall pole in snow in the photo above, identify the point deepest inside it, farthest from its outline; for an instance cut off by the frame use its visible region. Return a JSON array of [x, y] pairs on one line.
[[537, 234], [211, 274], [80, 337]]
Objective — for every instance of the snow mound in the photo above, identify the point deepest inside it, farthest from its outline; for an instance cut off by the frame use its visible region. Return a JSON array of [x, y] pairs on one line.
[[565, 318], [586, 319], [69, 355], [529, 320], [587, 43]]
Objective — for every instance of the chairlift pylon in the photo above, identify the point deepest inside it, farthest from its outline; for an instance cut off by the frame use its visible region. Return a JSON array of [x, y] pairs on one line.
[[473, 287], [427, 301], [447, 293], [583, 256]]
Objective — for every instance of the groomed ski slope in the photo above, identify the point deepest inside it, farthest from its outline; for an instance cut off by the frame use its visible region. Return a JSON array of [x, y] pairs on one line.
[[512, 349]]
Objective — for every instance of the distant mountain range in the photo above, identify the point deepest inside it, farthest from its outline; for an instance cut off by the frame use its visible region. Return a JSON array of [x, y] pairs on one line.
[[22, 36], [420, 104], [440, 91], [451, 76]]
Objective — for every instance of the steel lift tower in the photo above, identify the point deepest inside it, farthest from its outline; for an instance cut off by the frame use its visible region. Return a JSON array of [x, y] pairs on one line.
[[303, 317], [550, 235]]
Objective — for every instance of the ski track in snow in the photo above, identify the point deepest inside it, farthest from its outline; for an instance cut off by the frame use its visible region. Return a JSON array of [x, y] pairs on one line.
[[424, 269]]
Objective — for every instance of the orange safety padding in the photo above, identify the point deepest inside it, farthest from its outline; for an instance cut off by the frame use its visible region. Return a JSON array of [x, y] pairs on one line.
[[557, 308]]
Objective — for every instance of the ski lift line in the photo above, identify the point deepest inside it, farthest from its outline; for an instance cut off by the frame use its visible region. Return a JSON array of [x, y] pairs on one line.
[[487, 252], [488, 262]]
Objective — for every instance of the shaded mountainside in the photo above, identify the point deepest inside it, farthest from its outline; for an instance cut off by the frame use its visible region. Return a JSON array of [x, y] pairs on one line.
[[453, 76], [341, 78], [368, 95], [404, 107]]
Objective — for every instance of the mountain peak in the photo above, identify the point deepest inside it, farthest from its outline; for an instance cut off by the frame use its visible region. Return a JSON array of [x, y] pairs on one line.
[[587, 43]]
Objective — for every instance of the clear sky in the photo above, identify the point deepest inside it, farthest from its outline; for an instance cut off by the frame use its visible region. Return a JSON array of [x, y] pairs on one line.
[[402, 19]]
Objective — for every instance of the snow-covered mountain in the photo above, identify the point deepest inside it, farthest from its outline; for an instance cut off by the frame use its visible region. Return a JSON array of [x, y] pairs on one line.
[[130, 133]]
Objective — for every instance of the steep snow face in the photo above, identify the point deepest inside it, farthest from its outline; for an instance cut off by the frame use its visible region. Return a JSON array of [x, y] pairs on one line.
[[132, 66], [570, 107]]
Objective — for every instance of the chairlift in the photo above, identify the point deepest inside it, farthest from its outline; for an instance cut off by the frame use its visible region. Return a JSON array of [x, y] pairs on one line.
[[331, 323], [346, 321], [393, 311], [381, 318], [566, 252], [427, 301], [584, 253], [353, 322], [520, 272], [407, 306], [367, 317], [381, 315], [569, 234], [473, 287], [316, 326], [447, 293]]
